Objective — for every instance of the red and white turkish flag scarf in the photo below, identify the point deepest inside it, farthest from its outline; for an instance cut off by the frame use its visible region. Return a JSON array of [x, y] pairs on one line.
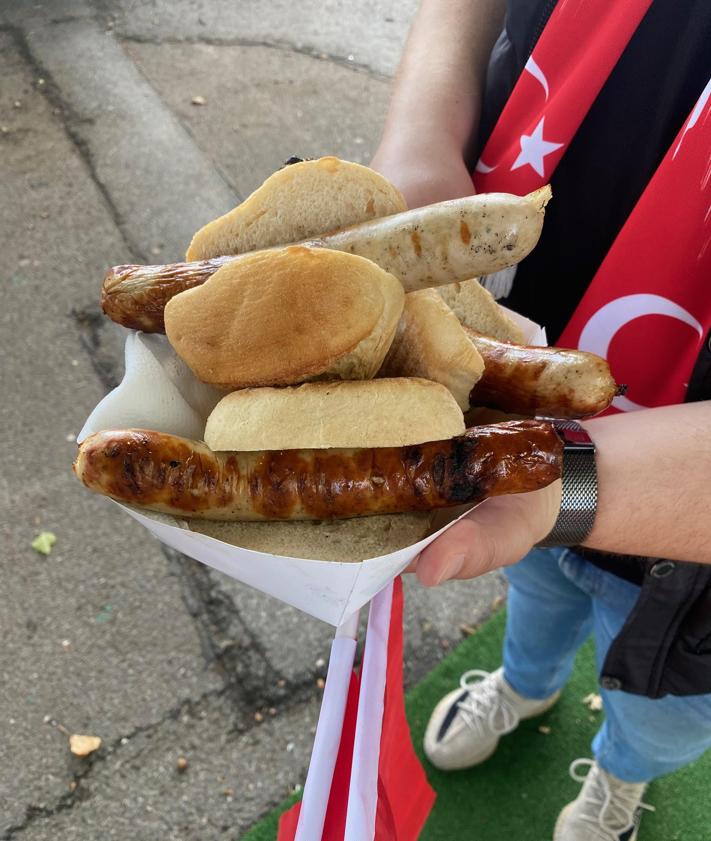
[[648, 308]]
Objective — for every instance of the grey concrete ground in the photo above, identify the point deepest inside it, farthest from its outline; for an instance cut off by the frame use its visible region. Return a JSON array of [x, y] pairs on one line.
[[104, 159]]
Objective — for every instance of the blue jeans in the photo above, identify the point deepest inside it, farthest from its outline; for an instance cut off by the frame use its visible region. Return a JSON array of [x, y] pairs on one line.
[[556, 599]]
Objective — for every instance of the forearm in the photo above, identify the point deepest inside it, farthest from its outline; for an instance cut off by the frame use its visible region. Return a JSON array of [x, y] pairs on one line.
[[654, 499], [438, 88], [654, 480], [436, 100]]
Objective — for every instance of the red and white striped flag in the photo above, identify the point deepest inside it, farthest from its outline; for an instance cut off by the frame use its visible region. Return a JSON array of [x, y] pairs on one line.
[[378, 788]]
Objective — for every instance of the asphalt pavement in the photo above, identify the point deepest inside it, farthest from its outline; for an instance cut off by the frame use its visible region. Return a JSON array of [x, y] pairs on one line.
[[123, 128]]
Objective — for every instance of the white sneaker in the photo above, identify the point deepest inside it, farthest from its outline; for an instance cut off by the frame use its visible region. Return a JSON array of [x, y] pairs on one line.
[[466, 725], [607, 809]]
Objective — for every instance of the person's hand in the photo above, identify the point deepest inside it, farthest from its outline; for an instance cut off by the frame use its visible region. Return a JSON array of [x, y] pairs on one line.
[[497, 533], [424, 173]]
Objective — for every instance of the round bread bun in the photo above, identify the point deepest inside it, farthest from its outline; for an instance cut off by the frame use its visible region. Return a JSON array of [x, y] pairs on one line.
[[430, 342], [298, 202], [286, 316], [476, 308], [367, 413]]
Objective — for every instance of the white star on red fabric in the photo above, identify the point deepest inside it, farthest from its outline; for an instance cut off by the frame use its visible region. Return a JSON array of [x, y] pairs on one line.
[[534, 148]]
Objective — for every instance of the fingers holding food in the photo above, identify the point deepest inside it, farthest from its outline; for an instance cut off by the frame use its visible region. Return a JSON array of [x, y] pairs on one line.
[[541, 381], [185, 478]]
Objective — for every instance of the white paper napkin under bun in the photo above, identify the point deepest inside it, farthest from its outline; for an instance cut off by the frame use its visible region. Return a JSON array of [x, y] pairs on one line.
[[158, 391]]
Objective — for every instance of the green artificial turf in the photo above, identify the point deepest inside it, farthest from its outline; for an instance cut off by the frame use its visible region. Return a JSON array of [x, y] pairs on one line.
[[517, 794]]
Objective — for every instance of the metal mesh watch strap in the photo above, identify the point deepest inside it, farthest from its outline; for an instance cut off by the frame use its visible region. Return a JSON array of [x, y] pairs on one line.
[[578, 503]]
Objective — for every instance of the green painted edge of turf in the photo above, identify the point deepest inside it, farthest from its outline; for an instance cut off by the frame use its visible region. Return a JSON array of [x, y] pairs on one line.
[[518, 793]]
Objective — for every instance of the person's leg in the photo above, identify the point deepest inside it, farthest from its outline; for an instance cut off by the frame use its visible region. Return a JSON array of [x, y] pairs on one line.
[[642, 738], [548, 618]]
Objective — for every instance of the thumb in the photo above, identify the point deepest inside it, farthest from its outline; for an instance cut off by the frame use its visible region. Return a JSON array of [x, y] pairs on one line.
[[496, 533]]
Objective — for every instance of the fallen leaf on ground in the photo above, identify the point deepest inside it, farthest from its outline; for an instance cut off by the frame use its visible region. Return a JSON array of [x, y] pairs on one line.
[[83, 745], [593, 702], [44, 542]]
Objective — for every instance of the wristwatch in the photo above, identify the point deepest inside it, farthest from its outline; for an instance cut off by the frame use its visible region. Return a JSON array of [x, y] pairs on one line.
[[578, 503]]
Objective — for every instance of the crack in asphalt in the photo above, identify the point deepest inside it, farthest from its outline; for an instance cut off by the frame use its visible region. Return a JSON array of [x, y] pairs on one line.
[[273, 44], [91, 322], [67, 801], [244, 663], [69, 119]]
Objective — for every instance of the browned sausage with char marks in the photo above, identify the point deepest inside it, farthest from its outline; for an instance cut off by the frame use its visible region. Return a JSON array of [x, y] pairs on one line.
[[541, 381], [185, 478]]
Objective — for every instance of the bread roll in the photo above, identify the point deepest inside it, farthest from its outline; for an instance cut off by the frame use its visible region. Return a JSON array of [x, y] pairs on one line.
[[286, 316], [256, 418], [475, 307], [431, 343], [345, 541], [371, 413], [338, 540], [298, 202]]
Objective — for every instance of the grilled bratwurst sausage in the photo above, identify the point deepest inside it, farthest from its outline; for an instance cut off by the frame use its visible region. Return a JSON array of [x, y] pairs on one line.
[[135, 296], [544, 381], [429, 246], [185, 478]]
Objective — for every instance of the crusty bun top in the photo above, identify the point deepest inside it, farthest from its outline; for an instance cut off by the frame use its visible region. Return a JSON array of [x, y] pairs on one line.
[[285, 316], [431, 343], [476, 308], [371, 413], [298, 202]]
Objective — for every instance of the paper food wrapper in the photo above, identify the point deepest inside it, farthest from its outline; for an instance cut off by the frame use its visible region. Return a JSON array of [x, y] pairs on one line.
[[160, 392]]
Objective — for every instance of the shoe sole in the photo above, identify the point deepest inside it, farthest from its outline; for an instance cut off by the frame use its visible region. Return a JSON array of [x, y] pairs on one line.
[[552, 701]]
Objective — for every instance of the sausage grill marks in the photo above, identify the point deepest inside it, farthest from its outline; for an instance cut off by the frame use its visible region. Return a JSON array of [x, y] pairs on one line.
[[185, 478]]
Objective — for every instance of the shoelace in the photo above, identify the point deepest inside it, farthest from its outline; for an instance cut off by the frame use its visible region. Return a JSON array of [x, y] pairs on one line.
[[612, 811], [484, 700]]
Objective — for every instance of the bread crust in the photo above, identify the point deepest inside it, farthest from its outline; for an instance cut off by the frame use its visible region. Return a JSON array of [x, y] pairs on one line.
[[431, 343], [366, 413], [476, 308], [299, 201], [286, 316]]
